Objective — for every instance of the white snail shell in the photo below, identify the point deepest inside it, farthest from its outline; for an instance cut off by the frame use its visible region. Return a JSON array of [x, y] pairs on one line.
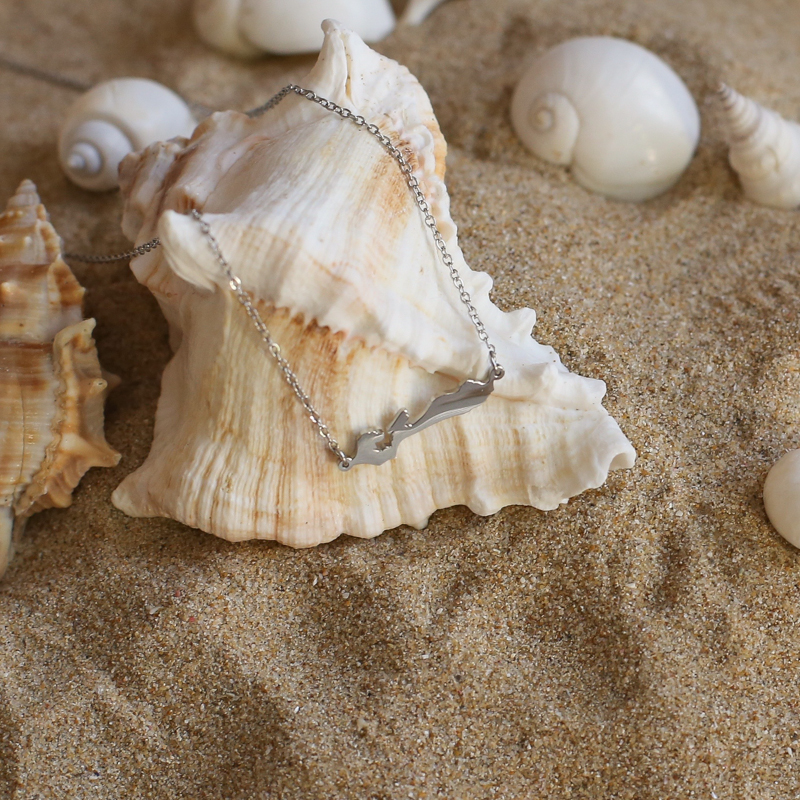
[[764, 150], [247, 28], [615, 112], [113, 119], [217, 24], [416, 11], [782, 497]]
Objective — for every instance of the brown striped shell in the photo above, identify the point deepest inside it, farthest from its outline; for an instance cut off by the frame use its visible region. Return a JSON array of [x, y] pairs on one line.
[[52, 389]]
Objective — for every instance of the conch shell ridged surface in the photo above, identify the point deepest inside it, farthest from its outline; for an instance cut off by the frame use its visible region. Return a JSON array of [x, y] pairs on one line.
[[52, 389], [318, 222], [764, 150]]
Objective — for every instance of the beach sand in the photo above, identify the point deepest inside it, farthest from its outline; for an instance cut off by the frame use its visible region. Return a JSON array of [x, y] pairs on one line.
[[640, 642]]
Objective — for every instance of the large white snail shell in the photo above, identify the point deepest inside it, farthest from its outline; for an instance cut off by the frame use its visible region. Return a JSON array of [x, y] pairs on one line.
[[615, 112], [764, 151], [248, 27], [113, 119], [782, 497]]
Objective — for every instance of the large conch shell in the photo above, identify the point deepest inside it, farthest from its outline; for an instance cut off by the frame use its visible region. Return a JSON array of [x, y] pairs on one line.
[[317, 220], [113, 119], [248, 28], [620, 117], [52, 389], [764, 150]]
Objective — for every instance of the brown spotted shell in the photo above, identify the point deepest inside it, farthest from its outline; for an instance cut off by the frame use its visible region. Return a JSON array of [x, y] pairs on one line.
[[52, 389]]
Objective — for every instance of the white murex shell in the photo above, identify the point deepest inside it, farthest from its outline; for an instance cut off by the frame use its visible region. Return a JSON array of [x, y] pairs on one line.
[[316, 219], [113, 119], [782, 496], [614, 112], [764, 150], [247, 28]]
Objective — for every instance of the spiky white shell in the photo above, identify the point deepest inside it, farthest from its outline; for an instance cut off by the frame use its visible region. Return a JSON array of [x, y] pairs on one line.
[[619, 116], [51, 386], [246, 28], [318, 222], [764, 150], [782, 497], [113, 119]]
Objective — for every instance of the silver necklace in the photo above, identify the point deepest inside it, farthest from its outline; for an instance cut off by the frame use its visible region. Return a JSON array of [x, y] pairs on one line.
[[374, 446]]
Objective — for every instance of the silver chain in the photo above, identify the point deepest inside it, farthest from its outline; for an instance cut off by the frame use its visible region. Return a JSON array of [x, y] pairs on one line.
[[246, 300], [137, 251]]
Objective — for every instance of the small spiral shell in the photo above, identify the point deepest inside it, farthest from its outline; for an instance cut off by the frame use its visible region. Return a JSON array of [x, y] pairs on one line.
[[764, 150], [615, 112], [245, 28], [113, 119]]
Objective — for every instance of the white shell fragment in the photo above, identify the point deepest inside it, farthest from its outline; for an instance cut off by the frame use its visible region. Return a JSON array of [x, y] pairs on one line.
[[247, 28], [113, 119], [318, 222], [764, 150], [417, 11], [52, 389], [782, 497], [614, 112]]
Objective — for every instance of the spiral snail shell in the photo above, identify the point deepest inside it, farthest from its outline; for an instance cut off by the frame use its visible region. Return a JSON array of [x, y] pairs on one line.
[[764, 150], [614, 112], [113, 119], [247, 28]]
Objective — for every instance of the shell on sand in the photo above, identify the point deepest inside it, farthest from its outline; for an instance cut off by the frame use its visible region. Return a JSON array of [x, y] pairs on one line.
[[782, 496], [52, 389], [115, 118], [417, 11], [317, 220], [764, 150], [248, 28], [617, 114]]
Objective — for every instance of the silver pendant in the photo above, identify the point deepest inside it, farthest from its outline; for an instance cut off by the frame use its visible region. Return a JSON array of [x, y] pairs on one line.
[[376, 446]]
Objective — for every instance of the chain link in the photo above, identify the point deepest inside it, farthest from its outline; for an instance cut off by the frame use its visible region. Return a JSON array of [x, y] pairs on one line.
[[246, 300], [137, 251]]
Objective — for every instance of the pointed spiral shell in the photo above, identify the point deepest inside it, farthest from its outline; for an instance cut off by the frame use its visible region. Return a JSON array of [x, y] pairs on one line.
[[615, 112], [764, 150], [52, 387], [113, 119], [246, 28]]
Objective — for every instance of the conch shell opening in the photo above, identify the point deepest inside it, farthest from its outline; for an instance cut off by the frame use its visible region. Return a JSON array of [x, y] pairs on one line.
[[318, 222]]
